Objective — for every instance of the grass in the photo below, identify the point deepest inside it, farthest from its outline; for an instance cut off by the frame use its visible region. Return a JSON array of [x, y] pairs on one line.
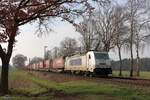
[[101, 89], [25, 86], [143, 74]]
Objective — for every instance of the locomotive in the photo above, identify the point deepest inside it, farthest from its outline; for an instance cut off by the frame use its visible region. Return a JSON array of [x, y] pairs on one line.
[[90, 64]]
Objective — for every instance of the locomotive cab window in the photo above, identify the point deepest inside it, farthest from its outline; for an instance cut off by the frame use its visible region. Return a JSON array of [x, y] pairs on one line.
[[101, 56]]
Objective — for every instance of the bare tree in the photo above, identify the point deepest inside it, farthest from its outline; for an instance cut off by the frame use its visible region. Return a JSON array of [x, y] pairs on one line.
[[121, 32], [136, 20], [35, 60], [88, 35], [68, 46], [140, 41], [48, 54], [105, 26], [98, 30]]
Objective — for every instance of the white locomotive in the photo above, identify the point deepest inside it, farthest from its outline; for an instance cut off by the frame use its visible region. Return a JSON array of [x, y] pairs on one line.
[[91, 63]]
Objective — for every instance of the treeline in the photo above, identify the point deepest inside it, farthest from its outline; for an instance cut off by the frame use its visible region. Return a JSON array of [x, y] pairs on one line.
[[144, 64]]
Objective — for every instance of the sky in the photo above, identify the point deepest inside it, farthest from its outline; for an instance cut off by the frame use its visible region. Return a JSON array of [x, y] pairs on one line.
[[30, 45]]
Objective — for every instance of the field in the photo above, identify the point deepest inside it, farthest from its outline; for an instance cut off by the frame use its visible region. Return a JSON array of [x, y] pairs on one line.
[[25, 85], [143, 74]]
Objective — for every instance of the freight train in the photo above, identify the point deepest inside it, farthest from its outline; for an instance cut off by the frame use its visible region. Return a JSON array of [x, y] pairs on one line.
[[90, 64]]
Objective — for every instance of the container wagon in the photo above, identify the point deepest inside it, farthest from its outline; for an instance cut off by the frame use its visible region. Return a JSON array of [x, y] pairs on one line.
[[57, 65]]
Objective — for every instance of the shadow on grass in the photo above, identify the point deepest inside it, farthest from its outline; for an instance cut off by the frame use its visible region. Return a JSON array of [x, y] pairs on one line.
[[50, 92]]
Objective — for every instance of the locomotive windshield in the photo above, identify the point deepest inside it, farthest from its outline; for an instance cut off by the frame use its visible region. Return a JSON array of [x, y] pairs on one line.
[[101, 55]]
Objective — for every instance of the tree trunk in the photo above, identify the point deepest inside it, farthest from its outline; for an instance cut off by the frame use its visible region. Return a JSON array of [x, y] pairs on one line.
[[120, 60], [5, 57], [131, 34], [132, 63], [97, 45], [138, 61], [106, 48], [4, 75], [138, 68]]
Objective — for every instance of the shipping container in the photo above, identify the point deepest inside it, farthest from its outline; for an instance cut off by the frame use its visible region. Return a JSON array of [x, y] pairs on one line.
[[47, 64], [58, 63], [41, 65]]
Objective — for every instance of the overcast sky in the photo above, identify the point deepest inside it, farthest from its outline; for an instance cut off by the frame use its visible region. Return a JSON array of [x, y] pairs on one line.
[[31, 45]]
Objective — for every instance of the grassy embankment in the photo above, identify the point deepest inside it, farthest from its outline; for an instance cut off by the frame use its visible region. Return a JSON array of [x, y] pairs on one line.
[[25, 86], [143, 74]]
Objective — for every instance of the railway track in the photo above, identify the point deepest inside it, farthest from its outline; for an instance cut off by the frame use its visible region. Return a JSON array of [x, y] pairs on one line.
[[116, 80], [127, 81]]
